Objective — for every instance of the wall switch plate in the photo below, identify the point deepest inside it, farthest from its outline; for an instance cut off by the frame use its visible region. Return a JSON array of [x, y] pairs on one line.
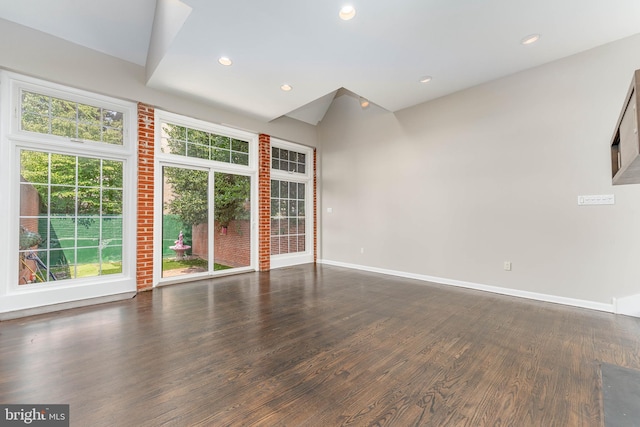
[[507, 265], [597, 199]]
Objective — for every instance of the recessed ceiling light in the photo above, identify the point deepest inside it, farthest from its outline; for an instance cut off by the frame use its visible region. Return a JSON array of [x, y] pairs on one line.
[[225, 61], [425, 79], [285, 87], [364, 102], [530, 39], [347, 12]]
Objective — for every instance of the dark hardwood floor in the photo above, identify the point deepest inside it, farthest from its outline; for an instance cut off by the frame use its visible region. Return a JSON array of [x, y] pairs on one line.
[[317, 346]]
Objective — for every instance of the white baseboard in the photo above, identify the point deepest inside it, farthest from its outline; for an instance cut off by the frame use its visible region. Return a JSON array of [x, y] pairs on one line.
[[480, 287], [64, 306], [629, 306]]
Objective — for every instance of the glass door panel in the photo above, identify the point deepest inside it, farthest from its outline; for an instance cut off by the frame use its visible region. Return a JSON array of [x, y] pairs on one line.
[[232, 225], [185, 215]]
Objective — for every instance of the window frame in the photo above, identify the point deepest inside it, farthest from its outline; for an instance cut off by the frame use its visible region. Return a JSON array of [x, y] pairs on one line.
[[162, 117], [294, 258], [213, 166], [18, 85], [13, 141]]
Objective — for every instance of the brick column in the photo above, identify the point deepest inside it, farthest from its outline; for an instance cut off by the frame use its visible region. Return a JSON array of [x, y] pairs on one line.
[[264, 203], [315, 207], [144, 257]]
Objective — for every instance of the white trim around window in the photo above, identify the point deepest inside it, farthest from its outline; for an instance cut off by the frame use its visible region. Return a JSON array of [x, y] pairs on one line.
[[306, 256], [36, 297]]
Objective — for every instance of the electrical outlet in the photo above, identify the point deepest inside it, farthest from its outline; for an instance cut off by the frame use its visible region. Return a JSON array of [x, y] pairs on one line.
[[507, 265]]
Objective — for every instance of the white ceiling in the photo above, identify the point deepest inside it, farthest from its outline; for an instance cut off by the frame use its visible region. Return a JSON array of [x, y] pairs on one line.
[[380, 54]]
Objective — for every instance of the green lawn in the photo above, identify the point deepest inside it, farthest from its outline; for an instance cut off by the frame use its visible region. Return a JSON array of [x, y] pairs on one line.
[[172, 264], [92, 270]]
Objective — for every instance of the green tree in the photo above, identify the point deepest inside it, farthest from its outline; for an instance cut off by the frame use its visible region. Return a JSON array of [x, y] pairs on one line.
[[190, 187]]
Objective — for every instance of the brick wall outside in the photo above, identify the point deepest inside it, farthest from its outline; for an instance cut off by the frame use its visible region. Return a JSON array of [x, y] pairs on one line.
[[232, 248], [144, 241], [264, 202]]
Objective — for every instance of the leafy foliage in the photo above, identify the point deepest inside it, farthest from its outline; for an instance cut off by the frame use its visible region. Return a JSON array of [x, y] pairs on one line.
[[191, 187]]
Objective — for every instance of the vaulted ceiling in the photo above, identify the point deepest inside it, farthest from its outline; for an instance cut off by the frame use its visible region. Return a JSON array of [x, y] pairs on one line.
[[381, 54]]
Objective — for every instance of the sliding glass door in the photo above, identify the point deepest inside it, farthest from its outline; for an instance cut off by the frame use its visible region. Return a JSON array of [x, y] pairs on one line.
[[206, 221]]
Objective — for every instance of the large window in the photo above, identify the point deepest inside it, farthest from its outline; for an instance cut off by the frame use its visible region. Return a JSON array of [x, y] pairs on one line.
[[205, 183], [189, 142], [54, 116], [70, 217], [70, 165], [291, 204], [288, 217]]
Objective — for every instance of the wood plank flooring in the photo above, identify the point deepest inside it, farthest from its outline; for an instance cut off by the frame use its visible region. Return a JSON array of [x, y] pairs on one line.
[[317, 346]]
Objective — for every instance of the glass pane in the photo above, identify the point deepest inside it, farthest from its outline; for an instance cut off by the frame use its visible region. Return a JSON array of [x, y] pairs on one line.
[[198, 137], [293, 226], [59, 265], [89, 114], [64, 220], [240, 159], [55, 116], [301, 208], [198, 151], [35, 123], [301, 168], [275, 245], [63, 109], [275, 163], [33, 199], [112, 202], [63, 169], [293, 191], [63, 200], [220, 141], [301, 193], [112, 136], [112, 119], [34, 167], [88, 232], [35, 103], [111, 260], [111, 232], [284, 189], [284, 154], [90, 132], [63, 127], [275, 226], [88, 201], [275, 153], [232, 214], [33, 267], [284, 165], [275, 208], [88, 173], [221, 155], [185, 216], [237, 145], [112, 173]]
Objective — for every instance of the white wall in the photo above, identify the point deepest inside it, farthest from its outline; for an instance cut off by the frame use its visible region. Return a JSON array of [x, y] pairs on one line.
[[36, 54], [454, 187]]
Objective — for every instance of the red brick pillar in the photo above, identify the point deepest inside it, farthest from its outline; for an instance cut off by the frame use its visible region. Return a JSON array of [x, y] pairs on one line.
[[315, 207], [264, 203], [144, 257]]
